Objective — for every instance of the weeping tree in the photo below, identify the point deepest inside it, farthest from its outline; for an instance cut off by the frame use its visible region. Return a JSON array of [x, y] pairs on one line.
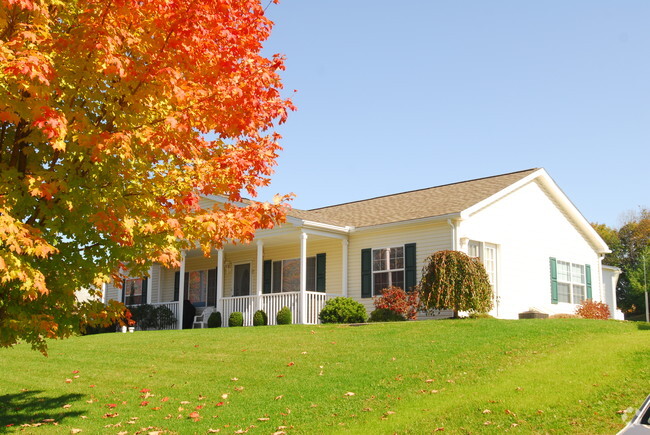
[[454, 280]]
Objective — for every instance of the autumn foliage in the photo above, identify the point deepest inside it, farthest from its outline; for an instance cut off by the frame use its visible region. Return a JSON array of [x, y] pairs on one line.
[[115, 118], [397, 300], [593, 310]]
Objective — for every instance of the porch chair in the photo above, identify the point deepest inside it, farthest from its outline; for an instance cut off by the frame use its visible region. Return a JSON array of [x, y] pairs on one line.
[[202, 319]]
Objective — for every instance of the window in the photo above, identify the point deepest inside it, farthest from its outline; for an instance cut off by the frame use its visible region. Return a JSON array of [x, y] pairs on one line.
[[135, 291], [387, 268], [197, 287], [286, 275], [571, 282], [487, 253]]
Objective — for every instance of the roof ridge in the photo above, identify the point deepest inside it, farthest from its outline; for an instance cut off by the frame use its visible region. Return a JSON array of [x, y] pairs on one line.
[[422, 189]]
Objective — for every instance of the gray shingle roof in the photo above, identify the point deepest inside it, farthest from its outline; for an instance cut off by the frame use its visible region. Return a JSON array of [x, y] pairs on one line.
[[416, 204]]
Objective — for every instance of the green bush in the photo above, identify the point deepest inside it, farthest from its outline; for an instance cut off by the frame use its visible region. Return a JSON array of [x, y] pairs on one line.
[[214, 321], [236, 319], [343, 310], [149, 316], [385, 315], [260, 318], [284, 316]]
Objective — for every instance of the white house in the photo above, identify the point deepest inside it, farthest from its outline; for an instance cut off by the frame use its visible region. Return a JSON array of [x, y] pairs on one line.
[[539, 251]]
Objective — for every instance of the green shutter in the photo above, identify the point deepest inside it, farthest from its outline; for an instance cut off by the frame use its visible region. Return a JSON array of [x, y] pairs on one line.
[[410, 270], [320, 272], [212, 288], [366, 273], [267, 276], [588, 277], [143, 298], [553, 280], [124, 291], [177, 284]]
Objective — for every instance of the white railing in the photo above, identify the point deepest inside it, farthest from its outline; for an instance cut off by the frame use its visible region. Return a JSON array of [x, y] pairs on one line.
[[272, 303]]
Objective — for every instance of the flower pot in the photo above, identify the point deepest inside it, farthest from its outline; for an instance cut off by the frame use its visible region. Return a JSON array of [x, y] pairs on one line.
[[131, 328], [123, 329]]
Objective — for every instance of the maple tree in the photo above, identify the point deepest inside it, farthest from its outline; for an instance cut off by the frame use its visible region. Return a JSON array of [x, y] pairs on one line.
[[116, 116]]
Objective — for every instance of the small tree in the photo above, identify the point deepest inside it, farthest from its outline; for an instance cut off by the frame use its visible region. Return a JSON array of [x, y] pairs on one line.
[[454, 280]]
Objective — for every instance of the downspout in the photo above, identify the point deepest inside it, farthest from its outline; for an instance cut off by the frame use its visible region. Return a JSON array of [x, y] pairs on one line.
[[453, 234]]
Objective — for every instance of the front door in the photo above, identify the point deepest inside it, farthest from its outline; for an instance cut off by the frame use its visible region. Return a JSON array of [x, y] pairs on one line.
[[242, 284]]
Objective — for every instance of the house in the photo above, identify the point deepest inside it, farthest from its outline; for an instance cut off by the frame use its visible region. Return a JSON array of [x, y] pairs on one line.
[[539, 252]]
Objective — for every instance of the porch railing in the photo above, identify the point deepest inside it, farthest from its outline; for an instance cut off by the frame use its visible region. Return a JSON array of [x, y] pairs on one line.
[[272, 303]]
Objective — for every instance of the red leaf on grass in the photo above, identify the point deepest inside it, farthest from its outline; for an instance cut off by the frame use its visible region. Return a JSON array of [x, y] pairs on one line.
[[219, 404]]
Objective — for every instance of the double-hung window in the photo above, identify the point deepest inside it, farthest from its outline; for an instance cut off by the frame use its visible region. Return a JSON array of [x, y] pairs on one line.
[[571, 283], [387, 268], [286, 275], [487, 253]]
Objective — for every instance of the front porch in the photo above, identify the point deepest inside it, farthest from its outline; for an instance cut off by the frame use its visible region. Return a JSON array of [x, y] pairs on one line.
[[297, 267]]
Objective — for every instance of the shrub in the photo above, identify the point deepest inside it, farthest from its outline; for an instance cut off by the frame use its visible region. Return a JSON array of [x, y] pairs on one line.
[[454, 280], [284, 316], [343, 310], [214, 321], [153, 317], [236, 319], [593, 310], [385, 315], [480, 316], [260, 318], [397, 300]]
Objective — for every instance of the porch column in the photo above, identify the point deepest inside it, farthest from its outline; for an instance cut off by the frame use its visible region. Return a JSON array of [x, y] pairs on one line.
[[303, 278], [220, 280], [259, 274], [344, 268], [149, 285], [181, 291]]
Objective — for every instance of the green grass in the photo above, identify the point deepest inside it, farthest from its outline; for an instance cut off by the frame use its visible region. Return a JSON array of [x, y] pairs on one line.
[[466, 376]]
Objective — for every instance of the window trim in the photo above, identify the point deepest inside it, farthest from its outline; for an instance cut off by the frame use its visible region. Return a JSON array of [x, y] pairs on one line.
[[570, 283], [389, 271]]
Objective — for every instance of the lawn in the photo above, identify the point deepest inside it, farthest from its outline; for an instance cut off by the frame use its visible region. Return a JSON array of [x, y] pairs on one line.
[[460, 376]]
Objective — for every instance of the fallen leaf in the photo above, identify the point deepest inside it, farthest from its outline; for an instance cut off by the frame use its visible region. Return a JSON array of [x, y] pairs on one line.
[[74, 372], [428, 381], [280, 376], [439, 429], [291, 364], [110, 415], [234, 379], [219, 404], [75, 430], [111, 405], [239, 388], [304, 353], [487, 423], [144, 403], [263, 419], [194, 415], [145, 390], [349, 393], [185, 402], [92, 386], [164, 399], [67, 406], [214, 430], [487, 411], [67, 381], [224, 396], [279, 397]]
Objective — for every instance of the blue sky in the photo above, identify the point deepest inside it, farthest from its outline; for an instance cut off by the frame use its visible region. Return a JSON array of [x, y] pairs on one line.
[[397, 96]]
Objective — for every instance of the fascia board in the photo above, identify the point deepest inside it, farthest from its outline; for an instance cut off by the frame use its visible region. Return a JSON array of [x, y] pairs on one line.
[[443, 217]]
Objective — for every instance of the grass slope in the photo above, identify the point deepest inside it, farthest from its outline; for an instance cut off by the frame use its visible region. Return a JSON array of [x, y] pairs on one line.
[[466, 376]]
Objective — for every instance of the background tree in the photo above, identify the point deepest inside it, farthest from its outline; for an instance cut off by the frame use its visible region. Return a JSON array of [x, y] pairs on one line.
[[629, 243], [104, 111], [453, 280]]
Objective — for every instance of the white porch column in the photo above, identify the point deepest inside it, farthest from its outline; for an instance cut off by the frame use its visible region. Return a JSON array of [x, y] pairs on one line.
[[303, 278], [344, 268], [259, 274], [149, 285], [181, 291], [220, 281]]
